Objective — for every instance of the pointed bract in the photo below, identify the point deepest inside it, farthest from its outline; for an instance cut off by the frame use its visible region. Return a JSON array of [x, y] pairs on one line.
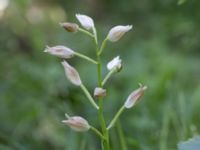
[[134, 97], [85, 21], [77, 123], [114, 63], [117, 32], [60, 51], [71, 74]]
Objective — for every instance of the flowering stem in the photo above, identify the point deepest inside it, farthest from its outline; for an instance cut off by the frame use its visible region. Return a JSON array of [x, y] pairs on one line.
[[85, 57], [108, 76], [105, 141], [89, 96], [86, 32], [97, 132], [112, 123], [102, 46]]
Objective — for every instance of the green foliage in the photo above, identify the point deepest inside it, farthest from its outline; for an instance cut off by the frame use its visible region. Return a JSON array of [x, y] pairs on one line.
[[162, 52], [181, 2]]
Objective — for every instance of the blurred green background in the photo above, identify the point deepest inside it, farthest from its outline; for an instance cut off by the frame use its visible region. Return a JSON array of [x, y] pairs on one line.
[[162, 51]]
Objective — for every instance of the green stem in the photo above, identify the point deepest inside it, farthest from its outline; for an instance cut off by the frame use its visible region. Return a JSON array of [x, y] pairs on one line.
[[85, 57], [105, 141], [95, 35], [108, 76], [86, 32], [121, 136], [112, 123], [89, 96], [102, 46], [97, 132]]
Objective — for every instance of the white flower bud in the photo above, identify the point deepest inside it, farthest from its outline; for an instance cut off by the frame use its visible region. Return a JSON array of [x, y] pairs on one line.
[[77, 123], [71, 74], [134, 97], [70, 27], [99, 92], [117, 32], [60, 51], [85, 21], [115, 63]]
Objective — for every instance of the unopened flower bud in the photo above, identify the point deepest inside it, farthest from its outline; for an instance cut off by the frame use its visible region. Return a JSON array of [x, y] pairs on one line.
[[70, 27], [85, 21], [99, 92], [117, 32], [60, 51], [77, 123], [71, 74], [134, 97], [115, 63]]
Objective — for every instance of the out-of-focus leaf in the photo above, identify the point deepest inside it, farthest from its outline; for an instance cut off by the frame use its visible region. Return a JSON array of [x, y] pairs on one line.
[[181, 2]]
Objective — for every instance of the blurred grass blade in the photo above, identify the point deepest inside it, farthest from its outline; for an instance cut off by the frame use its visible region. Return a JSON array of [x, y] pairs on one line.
[[180, 2]]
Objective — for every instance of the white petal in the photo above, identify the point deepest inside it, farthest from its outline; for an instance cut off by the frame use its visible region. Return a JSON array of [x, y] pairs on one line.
[[115, 62], [117, 32], [85, 21]]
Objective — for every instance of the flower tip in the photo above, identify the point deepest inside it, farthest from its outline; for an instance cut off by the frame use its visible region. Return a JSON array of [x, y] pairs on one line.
[[129, 27], [63, 121], [144, 87], [67, 116], [77, 15], [64, 63], [61, 24], [46, 49]]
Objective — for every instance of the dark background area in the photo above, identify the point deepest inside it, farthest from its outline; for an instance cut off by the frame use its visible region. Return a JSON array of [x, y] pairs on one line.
[[162, 52]]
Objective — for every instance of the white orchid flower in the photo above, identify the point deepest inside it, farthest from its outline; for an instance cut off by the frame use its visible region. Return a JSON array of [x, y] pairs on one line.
[[114, 63], [60, 51], [71, 74], [117, 32], [85, 21], [134, 97], [77, 123]]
